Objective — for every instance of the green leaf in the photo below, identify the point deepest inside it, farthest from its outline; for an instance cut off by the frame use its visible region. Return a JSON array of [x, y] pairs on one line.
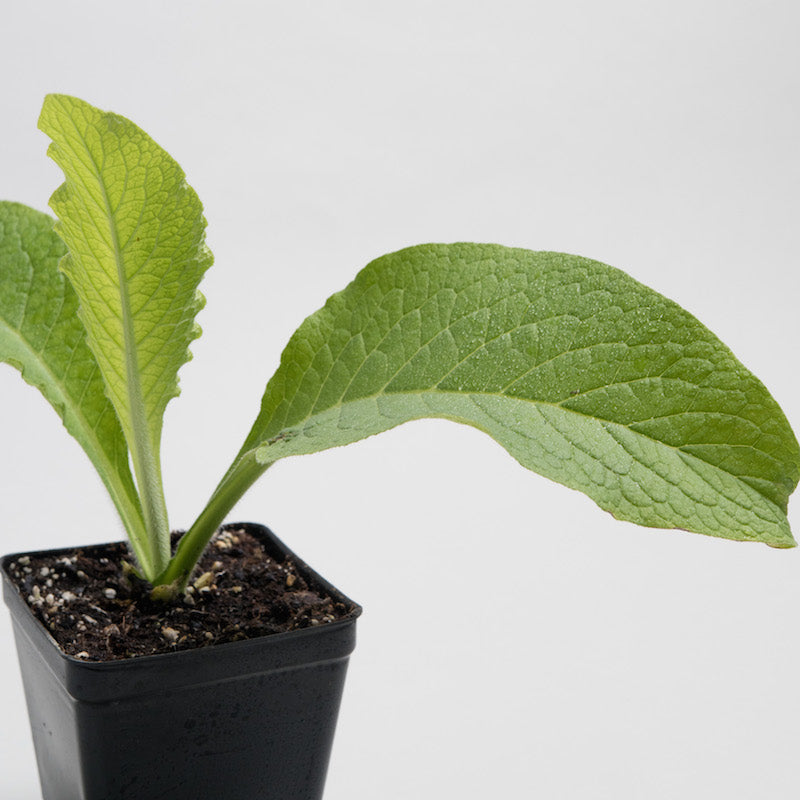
[[41, 335], [581, 373], [135, 233]]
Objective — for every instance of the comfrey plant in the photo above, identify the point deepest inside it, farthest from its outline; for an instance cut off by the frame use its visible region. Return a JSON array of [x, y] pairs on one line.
[[581, 373]]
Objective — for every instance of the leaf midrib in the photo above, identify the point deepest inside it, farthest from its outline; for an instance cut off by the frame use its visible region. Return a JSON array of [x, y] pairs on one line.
[[495, 396], [88, 431], [135, 394], [142, 446], [537, 323]]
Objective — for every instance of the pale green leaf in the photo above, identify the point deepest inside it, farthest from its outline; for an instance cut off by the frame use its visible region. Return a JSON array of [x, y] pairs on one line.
[[581, 373], [41, 335], [135, 233]]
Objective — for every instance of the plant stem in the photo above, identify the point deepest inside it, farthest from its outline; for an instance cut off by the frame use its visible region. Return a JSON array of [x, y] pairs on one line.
[[237, 480], [154, 510]]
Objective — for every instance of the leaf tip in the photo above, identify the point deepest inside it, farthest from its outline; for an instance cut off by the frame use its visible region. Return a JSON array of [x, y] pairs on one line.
[[53, 104], [783, 542]]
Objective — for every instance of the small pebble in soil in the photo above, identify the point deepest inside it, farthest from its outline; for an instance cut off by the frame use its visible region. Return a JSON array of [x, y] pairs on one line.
[[170, 634], [206, 579]]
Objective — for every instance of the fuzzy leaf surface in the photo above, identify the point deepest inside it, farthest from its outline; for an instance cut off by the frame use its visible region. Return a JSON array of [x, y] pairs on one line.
[[136, 238], [583, 374], [41, 335]]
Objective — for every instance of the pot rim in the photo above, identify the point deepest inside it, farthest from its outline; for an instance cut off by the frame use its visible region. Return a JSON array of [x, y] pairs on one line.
[[284, 650]]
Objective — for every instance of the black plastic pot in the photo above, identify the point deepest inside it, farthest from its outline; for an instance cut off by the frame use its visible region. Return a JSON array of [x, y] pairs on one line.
[[248, 720]]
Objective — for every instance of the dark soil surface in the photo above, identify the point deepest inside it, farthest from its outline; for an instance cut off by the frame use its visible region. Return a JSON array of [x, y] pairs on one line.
[[97, 611]]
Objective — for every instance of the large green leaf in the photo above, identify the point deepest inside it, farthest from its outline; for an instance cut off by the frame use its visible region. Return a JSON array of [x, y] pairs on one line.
[[41, 335], [581, 373], [135, 233]]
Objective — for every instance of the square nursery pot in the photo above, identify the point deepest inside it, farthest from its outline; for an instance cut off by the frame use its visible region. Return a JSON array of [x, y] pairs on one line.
[[247, 720]]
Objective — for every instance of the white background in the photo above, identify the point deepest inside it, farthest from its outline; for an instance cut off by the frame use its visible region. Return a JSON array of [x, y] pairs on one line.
[[603, 661]]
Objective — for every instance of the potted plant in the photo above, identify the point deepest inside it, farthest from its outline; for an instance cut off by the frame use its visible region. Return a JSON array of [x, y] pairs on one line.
[[581, 373]]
